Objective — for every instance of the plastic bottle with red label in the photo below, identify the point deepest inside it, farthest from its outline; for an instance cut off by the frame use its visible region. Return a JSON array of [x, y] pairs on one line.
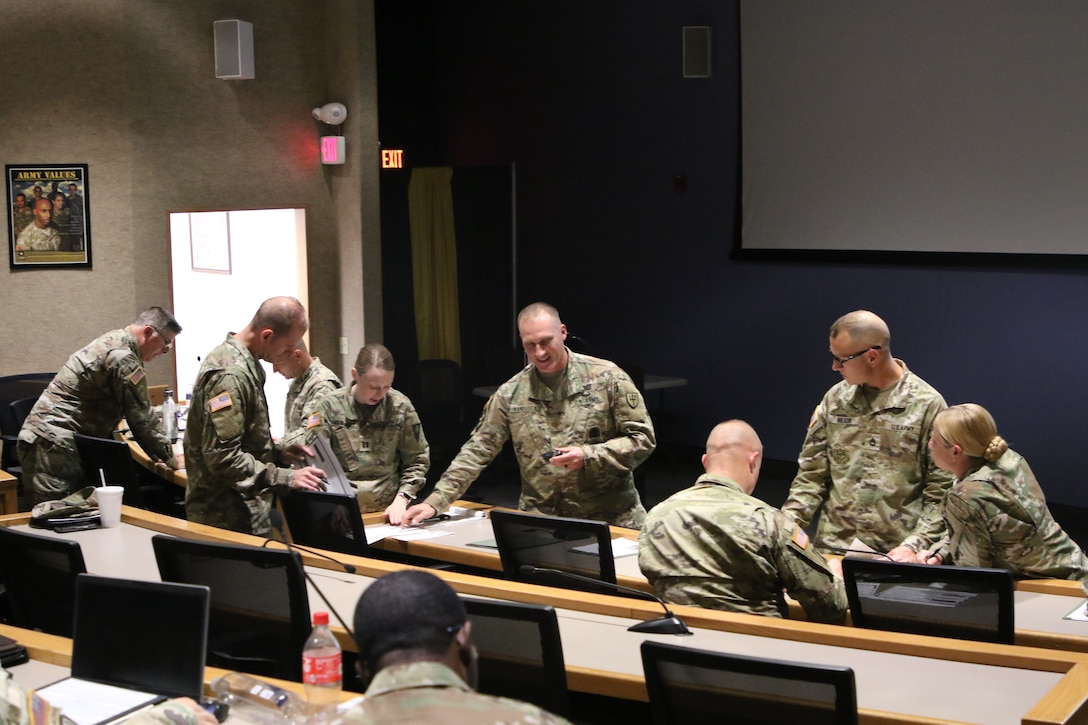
[[322, 670]]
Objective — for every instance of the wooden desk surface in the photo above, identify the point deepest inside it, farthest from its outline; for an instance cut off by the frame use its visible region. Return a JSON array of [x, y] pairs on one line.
[[916, 677]]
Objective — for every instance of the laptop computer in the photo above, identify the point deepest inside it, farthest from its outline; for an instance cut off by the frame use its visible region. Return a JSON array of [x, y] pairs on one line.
[[134, 644]]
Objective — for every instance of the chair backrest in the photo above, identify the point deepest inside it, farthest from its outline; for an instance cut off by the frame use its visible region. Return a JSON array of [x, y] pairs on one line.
[[18, 387], [698, 686], [39, 575], [260, 616], [325, 521], [18, 410], [578, 546], [944, 601], [119, 637], [156, 394], [439, 395], [112, 458], [520, 652]]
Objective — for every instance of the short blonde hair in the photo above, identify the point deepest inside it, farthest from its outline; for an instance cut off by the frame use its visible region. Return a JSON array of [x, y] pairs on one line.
[[972, 428]]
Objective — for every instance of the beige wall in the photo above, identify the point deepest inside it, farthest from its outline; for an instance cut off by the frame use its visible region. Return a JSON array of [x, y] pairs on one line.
[[128, 87]]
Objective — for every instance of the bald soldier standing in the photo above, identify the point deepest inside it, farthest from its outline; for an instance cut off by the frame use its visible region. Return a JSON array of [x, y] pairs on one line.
[[230, 456], [585, 410], [310, 382], [864, 465], [713, 545]]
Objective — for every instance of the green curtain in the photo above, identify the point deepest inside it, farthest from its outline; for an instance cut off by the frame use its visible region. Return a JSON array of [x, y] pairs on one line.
[[434, 264]]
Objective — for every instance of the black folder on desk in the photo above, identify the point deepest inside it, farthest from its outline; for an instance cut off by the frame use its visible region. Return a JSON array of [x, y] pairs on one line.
[[134, 644]]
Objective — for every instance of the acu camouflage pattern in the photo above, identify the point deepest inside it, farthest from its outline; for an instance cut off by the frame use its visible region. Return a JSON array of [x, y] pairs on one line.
[[230, 457], [868, 465], [315, 383], [97, 387], [714, 546], [430, 692], [383, 455], [595, 406], [997, 517]]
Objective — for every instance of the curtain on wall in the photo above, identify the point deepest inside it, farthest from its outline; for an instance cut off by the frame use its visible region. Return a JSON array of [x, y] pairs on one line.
[[434, 264]]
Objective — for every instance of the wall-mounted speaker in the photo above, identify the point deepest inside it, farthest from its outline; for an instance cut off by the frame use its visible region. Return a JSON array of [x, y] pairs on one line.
[[697, 58], [233, 49]]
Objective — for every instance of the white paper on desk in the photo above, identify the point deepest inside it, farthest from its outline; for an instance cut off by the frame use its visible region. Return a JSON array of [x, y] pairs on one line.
[[325, 459], [88, 703], [860, 550], [620, 547], [416, 534], [1080, 614]]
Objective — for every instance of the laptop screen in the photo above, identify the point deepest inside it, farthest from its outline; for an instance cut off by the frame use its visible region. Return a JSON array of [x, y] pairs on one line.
[[149, 636]]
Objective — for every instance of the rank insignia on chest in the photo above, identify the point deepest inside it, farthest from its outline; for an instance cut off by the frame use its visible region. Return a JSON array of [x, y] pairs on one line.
[[136, 376], [632, 399], [840, 455], [364, 445], [219, 402]]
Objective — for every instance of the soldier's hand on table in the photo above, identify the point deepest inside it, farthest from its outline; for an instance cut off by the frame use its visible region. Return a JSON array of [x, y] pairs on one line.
[[417, 513], [179, 462], [296, 453], [203, 717], [904, 554], [835, 565], [395, 514], [308, 478], [573, 458]]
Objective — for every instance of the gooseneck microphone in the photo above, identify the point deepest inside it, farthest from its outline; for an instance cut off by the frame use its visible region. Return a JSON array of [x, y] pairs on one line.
[[669, 624], [276, 519]]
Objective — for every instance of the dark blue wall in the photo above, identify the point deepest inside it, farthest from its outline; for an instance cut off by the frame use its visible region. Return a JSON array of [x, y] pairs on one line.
[[587, 99]]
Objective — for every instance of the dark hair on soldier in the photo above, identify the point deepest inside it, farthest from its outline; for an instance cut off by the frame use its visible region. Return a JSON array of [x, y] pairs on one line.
[[374, 356], [409, 616], [158, 318], [279, 314]]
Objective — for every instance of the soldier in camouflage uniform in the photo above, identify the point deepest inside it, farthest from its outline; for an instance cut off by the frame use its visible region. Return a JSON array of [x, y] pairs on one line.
[[715, 546], [995, 511], [376, 435], [21, 215], [416, 653], [585, 409], [864, 465], [97, 387], [231, 459], [310, 381], [40, 235]]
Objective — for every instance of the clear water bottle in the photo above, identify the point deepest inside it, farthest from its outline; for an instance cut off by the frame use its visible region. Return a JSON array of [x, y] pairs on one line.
[[257, 701], [322, 672], [170, 416]]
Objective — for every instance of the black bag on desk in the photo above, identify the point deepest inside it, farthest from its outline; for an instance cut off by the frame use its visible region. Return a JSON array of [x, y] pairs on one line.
[[11, 652]]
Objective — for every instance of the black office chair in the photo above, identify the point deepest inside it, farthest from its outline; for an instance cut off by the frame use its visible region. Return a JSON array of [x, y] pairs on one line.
[[112, 458], [18, 410], [699, 686], [39, 575], [521, 653], [260, 615], [438, 394], [577, 546], [943, 601]]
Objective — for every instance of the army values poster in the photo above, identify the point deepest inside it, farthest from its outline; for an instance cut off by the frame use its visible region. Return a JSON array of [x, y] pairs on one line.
[[49, 222]]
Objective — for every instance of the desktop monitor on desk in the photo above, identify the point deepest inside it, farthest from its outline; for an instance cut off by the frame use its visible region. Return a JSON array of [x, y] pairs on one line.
[[577, 546], [944, 601], [325, 521]]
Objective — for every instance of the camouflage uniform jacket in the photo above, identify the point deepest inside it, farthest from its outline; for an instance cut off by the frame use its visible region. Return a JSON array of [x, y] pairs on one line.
[[867, 463], [230, 457], [315, 383], [430, 692], [98, 386], [595, 406], [382, 455], [714, 546], [13, 709], [997, 517]]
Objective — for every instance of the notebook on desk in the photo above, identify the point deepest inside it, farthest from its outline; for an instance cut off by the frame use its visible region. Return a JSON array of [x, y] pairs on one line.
[[134, 644]]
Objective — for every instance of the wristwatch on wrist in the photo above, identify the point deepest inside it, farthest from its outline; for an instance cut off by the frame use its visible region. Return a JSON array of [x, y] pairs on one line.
[[407, 496]]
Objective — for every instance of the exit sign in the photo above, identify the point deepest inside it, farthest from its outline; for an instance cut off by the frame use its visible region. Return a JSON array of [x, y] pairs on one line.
[[392, 158]]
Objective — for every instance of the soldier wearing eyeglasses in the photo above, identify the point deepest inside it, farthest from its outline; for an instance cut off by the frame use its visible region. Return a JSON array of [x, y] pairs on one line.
[[864, 466], [98, 386]]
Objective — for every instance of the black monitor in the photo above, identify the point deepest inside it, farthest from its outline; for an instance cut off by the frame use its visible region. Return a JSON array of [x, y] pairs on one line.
[[578, 546], [325, 521], [944, 601], [39, 575], [141, 635]]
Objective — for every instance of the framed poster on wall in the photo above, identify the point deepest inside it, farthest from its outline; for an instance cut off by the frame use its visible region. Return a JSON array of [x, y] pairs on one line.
[[49, 220]]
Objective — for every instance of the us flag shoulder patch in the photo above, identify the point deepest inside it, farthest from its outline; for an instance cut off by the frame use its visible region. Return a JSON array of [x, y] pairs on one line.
[[219, 402], [800, 538], [312, 421], [136, 376]]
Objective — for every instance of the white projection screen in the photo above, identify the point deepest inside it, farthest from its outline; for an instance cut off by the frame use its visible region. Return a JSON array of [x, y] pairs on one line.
[[914, 126]]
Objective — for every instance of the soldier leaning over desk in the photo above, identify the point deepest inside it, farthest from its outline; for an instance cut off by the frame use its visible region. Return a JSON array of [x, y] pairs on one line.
[[713, 545], [97, 387], [310, 382], [586, 410]]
